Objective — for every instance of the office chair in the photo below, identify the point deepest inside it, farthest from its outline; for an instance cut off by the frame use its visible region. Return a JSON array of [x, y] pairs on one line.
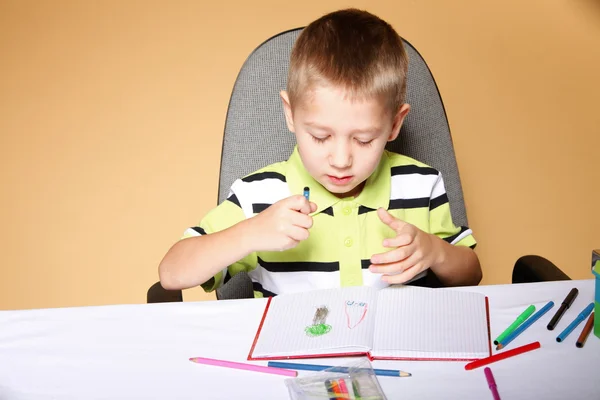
[[256, 135], [534, 268]]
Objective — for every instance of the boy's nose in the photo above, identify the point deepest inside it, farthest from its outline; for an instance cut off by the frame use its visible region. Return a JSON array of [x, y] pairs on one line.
[[340, 157]]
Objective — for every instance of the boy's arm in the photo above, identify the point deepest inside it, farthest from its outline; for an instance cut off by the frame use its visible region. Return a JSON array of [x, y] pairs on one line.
[[192, 261], [455, 265], [446, 249], [413, 251]]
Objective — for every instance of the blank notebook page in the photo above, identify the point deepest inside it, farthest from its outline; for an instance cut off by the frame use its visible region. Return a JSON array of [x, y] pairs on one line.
[[419, 322], [289, 326]]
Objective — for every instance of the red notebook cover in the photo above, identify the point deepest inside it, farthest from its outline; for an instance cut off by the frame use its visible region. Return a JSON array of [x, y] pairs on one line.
[[356, 354]]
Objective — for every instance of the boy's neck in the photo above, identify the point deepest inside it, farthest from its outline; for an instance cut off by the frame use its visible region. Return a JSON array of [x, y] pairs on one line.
[[353, 193]]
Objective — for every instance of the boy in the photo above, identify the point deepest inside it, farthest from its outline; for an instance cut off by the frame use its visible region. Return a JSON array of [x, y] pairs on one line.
[[374, 217]]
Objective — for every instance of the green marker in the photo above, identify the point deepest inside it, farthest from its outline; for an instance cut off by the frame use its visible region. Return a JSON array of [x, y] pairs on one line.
[[355, 389], [520, 319]]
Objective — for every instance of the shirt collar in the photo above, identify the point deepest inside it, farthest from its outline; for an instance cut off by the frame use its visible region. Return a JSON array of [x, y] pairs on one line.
[[375, 194]]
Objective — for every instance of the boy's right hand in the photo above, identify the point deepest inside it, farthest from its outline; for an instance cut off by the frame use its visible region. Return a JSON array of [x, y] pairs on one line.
[[282, 225]]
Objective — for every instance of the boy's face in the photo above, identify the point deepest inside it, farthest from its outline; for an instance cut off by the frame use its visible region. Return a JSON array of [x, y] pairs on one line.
[[340, 140]]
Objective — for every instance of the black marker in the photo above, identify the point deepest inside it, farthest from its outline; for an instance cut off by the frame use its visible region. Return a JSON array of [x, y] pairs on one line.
[[563, 307]]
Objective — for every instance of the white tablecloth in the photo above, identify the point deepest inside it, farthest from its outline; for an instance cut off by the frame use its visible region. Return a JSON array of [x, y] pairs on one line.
[[142, 352]]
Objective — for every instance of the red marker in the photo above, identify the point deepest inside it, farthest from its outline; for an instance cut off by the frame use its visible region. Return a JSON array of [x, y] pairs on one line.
[[502, 356]]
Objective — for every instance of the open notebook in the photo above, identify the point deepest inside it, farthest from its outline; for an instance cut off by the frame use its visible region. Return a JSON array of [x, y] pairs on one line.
[[398, 322]]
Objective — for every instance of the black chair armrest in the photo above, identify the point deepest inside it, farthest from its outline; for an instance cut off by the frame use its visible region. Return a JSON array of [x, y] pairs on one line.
[[238, 286], [534, 268], [158, 294]]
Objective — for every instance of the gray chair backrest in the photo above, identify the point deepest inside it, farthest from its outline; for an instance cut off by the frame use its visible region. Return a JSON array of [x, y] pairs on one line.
[[256, 134]]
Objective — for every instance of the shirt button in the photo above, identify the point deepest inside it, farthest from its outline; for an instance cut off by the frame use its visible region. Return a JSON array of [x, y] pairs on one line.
[[348, 242], [346, 210]]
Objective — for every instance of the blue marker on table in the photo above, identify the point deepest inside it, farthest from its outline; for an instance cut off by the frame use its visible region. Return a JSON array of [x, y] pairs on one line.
[[528, 322], [307, 192], [582, 315]]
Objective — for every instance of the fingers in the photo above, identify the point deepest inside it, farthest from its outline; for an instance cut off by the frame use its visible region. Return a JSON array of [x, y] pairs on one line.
[[301, 220], [299, 203], [398, 272], [308, 207], [385, 216], [393, 256], [289, 244], [402, 277], [403, 239], [390, 220], [297, 233], [394, 267]]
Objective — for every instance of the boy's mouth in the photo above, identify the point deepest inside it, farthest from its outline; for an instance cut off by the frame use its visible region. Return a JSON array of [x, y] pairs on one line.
[[339, 180]]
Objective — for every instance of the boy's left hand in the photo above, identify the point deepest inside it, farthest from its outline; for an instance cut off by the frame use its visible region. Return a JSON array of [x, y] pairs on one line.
[[413, 251]]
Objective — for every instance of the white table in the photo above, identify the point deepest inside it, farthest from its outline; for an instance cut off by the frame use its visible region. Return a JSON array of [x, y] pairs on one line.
[[142, 352]]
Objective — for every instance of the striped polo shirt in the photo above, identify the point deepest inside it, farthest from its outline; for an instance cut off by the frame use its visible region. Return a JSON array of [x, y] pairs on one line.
[[345, 233]]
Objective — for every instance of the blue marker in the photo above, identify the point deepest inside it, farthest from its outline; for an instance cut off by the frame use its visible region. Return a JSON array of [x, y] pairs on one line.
[[307, 192], [528, 322], [582, 315]]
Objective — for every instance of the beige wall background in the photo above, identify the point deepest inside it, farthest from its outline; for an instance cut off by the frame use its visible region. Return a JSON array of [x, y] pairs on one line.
[[112, 113]]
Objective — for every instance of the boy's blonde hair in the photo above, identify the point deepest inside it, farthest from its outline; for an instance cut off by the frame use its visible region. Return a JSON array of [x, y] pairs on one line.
[[353, 50]]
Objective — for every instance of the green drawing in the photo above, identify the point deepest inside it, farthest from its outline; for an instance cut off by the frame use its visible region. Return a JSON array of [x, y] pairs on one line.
[[319, 327]]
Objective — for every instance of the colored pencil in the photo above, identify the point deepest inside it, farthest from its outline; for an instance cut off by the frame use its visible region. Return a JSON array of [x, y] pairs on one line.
[[314, 367], [501, 356], [247, 367]]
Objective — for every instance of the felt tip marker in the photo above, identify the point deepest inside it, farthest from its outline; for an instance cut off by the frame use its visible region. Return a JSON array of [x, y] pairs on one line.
[[307, 192]]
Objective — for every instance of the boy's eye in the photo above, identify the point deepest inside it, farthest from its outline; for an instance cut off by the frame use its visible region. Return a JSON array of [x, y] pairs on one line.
[[319, 139], [366, 143]]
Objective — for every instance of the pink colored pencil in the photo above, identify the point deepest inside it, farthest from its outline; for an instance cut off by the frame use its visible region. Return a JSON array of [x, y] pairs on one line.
[[248, 367]]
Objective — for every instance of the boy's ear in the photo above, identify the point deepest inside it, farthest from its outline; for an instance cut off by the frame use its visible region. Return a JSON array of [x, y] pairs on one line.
[[287, 109], [398, 120]]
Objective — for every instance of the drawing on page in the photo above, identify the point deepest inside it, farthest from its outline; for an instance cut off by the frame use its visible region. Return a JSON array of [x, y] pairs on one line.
[[355, 312], [319, 327]]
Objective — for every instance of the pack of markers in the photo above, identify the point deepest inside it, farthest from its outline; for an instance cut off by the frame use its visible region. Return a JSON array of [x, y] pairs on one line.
[[354, 381]]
